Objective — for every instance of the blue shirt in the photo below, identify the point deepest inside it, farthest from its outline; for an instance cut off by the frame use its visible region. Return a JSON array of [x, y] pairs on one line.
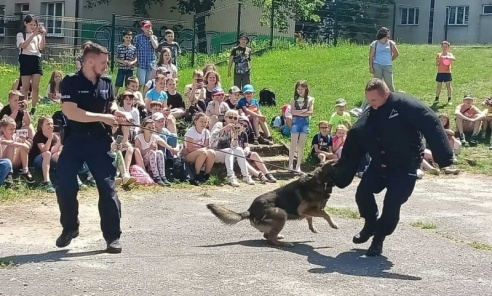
[[145, 52], [253, 106], [382, 52], [156, 96]]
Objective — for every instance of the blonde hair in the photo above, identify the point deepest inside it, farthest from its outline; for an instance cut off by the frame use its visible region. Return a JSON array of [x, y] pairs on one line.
[[6, 121], [322, 122], [15, 93], [341, 127]]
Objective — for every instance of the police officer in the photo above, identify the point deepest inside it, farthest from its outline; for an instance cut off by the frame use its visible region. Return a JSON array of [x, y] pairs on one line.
[[390, 131], [88, 104]]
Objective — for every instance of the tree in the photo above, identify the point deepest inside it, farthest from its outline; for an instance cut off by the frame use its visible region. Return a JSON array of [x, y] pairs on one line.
[[356, 20], [139, 6]]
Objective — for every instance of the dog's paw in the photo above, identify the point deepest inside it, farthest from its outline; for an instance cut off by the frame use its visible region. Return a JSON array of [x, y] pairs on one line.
[[334, 226], [314, 230]]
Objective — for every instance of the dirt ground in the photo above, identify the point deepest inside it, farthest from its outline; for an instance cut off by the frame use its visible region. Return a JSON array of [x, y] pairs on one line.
[[174, 246]]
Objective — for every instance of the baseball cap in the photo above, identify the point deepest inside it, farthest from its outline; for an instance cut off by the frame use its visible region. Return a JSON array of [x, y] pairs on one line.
[[242, 35], [234, 89], [146, 24], [248, 88], [217, 91], [284, 108], [245, 119], [468, 97], [157, 116], [341, 102]]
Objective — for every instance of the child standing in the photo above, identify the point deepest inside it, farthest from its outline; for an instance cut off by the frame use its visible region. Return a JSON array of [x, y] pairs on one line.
[[340, 117], [171, 45], [444, 60], [241, 57], [302, 107], [126, 57], [165, 60], [321, 145]]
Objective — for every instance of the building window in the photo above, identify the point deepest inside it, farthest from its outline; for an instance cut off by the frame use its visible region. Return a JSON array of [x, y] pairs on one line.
[[409, 16], [54, 12], [2, 20], [458, 15], [487, 9]]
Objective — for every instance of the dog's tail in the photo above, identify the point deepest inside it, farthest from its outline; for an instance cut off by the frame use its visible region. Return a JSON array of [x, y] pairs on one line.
[[227, 216]]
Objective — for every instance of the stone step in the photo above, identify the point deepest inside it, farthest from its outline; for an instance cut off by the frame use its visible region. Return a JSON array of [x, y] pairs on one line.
[[270, 150]]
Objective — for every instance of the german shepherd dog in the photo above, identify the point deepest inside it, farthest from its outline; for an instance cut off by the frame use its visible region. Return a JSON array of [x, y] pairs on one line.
[[302, 198]]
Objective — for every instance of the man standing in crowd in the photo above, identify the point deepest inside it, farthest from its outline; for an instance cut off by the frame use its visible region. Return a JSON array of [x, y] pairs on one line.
[[146, 44], [390, 131], [88, 103]]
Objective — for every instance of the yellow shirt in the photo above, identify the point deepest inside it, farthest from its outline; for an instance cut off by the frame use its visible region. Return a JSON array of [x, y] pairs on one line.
[[336, 120]]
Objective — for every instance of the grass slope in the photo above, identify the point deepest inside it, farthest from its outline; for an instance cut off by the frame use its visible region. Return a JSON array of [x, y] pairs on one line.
[[342, 72]]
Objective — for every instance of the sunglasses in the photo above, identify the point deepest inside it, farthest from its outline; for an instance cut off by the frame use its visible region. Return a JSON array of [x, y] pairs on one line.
[[199, 80], [233, 117]]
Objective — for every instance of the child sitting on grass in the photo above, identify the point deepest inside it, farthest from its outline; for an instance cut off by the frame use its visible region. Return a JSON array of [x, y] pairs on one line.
[[251, 108], [321, 145]]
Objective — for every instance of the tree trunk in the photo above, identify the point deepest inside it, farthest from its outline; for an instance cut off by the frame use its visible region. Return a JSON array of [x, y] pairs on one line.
[[201, 33]]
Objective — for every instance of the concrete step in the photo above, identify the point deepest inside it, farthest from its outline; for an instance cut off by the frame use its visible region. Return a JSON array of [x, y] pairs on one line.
[[270, 150]]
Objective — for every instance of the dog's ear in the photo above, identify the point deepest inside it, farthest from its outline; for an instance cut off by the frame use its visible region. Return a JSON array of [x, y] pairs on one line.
[[325, 174]]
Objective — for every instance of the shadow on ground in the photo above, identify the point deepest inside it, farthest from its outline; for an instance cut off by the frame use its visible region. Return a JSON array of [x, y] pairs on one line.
[[53, 256], [352, 262]]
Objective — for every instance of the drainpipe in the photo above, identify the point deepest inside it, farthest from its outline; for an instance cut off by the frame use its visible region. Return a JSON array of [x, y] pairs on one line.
[[76, 33], [431, 22]]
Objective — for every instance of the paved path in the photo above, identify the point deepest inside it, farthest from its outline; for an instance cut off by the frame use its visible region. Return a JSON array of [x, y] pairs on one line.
[[174, 246]]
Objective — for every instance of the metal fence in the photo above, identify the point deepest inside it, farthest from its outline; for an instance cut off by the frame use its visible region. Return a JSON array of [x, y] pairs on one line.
[[208, 36]]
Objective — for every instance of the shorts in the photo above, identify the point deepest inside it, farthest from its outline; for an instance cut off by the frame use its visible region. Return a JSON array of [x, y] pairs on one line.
[[30, 65], [300, 125], [443, 77], [38, 162], [122, 76]]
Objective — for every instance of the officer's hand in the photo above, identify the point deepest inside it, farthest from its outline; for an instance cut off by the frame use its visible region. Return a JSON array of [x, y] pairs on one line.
[[109, 119], [121, 117]]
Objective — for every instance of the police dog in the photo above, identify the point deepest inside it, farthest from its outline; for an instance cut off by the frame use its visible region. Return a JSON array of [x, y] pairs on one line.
[[302, 198]]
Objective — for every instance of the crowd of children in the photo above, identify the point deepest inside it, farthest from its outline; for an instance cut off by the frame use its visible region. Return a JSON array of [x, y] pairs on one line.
[[216, 126]]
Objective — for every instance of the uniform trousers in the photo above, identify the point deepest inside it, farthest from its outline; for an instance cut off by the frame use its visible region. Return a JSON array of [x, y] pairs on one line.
[[399, 184], [95, 150]]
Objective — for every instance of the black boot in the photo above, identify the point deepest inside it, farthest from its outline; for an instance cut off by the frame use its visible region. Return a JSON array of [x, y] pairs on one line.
[[365, 234], [376, 247]]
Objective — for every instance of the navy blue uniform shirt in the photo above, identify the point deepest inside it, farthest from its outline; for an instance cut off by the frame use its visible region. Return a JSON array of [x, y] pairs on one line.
[[392, 135], [90, 97]]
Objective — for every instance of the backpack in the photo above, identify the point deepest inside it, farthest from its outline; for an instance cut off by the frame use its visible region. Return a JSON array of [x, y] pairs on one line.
[[178, 169], [267, 97]]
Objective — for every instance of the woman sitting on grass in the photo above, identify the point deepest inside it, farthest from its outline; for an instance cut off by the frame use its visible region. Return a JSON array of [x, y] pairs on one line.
[[46, 148], [196, 151], [225, 138], [15, 147]]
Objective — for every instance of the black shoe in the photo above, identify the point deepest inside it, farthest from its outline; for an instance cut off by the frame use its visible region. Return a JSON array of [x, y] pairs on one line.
[[473, 140], [33, 110], [206, 177], [9, 181], [66, 237], [113, 246], [159, 182], [365, 234], [376, 247]]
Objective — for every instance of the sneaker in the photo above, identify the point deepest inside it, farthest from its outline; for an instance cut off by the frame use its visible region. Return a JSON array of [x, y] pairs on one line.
[[247, 179], [159, 182], [233, 182], [206, 177], [165, 181], [473, 140], [463, 140], [264, 141], [66, 237], [9, 181], [434, 171], [118, 181], [270, 178], [113, 246], [483, 135], [450, 102], [128, 180], [91, 182], [48, 187], [450, 171], [420, 174], [26, 175], [255, 141], [262, 178]]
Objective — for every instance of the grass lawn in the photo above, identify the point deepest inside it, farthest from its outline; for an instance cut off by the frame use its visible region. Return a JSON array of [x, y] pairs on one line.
[[342, 72]]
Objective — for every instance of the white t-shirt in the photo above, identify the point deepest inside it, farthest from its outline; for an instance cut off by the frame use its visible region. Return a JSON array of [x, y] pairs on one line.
[[135, 115], [145, 145], [48, 92], [33, 47], [198, 139]]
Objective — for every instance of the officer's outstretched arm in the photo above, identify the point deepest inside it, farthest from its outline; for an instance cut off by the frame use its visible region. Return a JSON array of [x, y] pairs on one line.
[[347, 165], [72, 112], [426, 121]]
